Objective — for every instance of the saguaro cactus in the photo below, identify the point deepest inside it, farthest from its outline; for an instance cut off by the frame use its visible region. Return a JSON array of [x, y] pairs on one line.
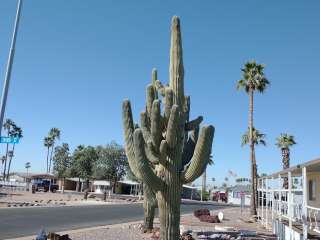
[[161, 151]]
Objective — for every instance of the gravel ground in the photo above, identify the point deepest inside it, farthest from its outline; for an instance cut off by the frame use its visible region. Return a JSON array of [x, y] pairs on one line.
[[131, 231], [24, 199]]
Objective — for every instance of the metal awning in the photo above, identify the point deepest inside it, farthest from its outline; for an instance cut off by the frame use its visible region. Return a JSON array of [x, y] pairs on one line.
[[312, 166]]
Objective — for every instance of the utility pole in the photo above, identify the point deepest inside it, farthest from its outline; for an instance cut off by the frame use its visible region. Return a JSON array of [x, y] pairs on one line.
[[9, 66]]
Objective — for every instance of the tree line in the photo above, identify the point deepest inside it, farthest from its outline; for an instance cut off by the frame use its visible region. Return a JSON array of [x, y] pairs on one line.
[[12, 130], [254, 80], [108, 162]]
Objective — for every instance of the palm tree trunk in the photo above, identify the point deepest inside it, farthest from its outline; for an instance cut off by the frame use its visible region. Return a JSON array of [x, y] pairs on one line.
[[256, 177], [204, 179], [9, 165], [253, 209], [5, 162], [63, 181], [50, 160], [286, 164]]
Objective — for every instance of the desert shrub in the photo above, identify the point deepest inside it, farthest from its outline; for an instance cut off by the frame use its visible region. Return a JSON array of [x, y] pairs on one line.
[[199, 212], [205, 196], [209, 219]]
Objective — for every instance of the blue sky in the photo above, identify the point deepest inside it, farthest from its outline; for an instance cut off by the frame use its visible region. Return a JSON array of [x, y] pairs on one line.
[[77, 60]]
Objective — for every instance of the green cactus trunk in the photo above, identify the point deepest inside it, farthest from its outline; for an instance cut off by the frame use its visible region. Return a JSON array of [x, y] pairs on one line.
[[169, 212], [149, 206], [161, 152]]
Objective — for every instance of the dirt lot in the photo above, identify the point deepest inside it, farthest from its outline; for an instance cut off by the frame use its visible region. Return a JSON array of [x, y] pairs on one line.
[[132, 231], [27, 199]]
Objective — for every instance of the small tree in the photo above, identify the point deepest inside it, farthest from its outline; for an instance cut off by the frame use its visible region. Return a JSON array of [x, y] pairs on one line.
[[111, 163], [284, 142], [8, 125], [83, 161], [48, 143], [62, 162], [17, 133], [54, 134]]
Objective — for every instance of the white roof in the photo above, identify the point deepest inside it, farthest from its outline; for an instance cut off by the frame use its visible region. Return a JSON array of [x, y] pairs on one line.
[[75, 179], [187, 186], [101, 183], [129, 182]]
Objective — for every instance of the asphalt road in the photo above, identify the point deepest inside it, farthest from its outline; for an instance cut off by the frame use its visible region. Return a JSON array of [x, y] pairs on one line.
[[19, 222]]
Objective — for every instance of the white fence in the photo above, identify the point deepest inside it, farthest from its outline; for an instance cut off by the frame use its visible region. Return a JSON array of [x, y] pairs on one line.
[[276, 203], [14, 186]]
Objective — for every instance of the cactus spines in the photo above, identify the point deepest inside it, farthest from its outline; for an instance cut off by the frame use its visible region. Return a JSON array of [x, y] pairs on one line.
[[167, 150], [149, 200], [176, 70]]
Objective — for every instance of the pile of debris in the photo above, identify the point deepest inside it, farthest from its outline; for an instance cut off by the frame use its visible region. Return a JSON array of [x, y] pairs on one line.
[[227, 235], [204, 216], [51, 236]]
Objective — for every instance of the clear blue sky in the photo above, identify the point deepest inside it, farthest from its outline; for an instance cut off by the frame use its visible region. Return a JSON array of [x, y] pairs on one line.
[[77, 60]]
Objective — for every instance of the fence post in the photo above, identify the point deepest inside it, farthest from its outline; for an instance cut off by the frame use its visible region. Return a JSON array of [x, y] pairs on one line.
[[267, 191], [305, 203], [290, 205]]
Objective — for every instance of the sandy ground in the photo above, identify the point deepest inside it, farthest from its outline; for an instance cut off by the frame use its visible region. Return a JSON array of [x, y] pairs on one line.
[[132, 231], [27, 199]]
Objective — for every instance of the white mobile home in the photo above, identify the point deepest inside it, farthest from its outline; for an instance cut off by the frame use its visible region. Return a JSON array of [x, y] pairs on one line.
[[291, 210], [238, 192]]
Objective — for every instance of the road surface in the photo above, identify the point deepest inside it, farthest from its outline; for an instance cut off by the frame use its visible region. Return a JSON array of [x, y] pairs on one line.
[[19, 222]]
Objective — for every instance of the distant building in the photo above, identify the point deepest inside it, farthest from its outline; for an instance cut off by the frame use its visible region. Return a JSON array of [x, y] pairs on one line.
[[237, 192], [289, 201], [20, 177], [190, 192], [100, 186], [73, 184], [128, 187]]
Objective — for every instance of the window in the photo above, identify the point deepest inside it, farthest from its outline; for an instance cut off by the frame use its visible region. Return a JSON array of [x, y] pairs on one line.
[[312, 189]]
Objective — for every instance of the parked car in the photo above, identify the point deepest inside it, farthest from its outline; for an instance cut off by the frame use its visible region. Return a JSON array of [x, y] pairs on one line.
[[44, 185], [219, 196]]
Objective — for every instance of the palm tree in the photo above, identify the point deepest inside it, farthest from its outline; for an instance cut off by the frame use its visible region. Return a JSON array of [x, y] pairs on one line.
[[8, 124], [258, 139], [204, 177], [48, 142], [17, 133], [253, 80], [54, 134], [284, 142]]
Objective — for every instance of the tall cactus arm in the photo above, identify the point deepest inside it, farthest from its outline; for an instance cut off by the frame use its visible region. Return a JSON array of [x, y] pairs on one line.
[[150, 98], [156, 157], [156, 124], [176, 70], [189, 146], [143, 165], [160, 88], [151, 154], [145, 126], [193, 124], [186, 106], [201, 155], [128, 127], [171, 135], [168, 102], [163, 151], [154, 79]]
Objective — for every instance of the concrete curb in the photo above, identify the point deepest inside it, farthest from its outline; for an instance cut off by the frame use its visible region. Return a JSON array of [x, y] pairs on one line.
[[82, 230]]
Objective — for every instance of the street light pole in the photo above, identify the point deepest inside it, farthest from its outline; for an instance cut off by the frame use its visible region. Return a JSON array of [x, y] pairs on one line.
[[9, 66]]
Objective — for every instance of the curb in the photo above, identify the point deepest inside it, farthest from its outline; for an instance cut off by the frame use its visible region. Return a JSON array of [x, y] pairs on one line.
[[32, 237]]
